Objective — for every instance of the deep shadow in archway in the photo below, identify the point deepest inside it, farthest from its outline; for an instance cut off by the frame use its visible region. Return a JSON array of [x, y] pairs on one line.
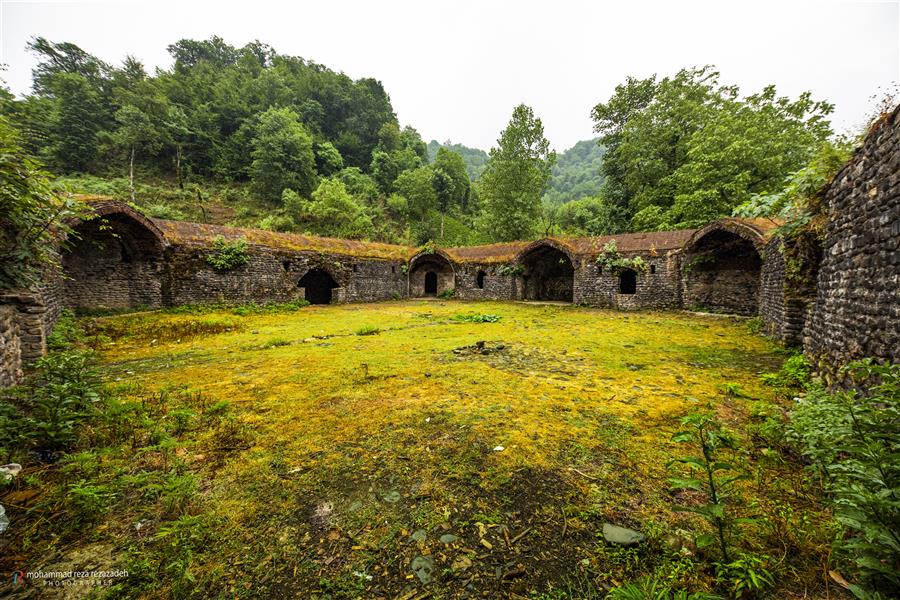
[[114, 261], [549, 274], [318, 285], [722, 273], [431, 283]]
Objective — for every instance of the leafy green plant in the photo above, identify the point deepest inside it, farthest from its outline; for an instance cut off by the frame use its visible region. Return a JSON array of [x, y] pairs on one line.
[[475, 318], [793, 376], [88, 501], [226, 255], [447, 294], [732, 390], [367, 330], [710, 475], [853, 442], [651, 588], [611, 262], [513, 270], [745, 576]]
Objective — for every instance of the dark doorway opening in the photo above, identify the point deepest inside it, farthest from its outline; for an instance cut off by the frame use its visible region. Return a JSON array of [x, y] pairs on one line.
[[627, 282], [549, 274], [318, 285], [723, 272], [479, 280], [431, 283]]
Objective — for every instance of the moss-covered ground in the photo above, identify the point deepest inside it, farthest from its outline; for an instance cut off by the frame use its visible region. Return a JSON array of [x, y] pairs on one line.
[[405, 450]]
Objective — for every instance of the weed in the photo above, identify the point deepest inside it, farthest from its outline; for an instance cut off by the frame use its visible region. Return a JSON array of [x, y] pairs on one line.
[[475, 318], [367, 330], [227, 255]]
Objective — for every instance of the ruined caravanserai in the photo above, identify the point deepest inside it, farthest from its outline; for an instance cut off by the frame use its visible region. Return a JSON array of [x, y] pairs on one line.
[[843, 306]]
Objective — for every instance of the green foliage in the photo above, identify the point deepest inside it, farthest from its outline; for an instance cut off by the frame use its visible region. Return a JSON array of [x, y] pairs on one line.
[[367, 330], [226, 255], [650, 588], [511, 270], [473, 158], [853, 441], [88, 502], [30, 212], [685, 150], [589, 216], [613, 263], [577, 173], [282, 155], [447, 294], [793, 376], [475, 318], [798, 199], [709, 474], [44, 413], [745, 576], [515, 178], [332, 211]]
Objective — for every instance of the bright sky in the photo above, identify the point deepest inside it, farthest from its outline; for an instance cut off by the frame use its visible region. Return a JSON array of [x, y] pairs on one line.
[[454, 70]]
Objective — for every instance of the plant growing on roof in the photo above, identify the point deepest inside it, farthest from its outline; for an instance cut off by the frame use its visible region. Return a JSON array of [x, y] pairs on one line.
[[515, 269], [612, 262], [227, 255]]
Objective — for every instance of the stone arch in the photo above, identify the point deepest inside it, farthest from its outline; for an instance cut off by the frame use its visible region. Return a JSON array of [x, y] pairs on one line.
[[113, 260], [431, 274], [722, 267], [318, 286], [548, 271]]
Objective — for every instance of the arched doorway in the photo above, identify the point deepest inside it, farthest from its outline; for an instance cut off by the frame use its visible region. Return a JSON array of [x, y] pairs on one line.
[[431, 283], [722, 266], [115, 260], [430, 274], [548, 274], [317, 286]]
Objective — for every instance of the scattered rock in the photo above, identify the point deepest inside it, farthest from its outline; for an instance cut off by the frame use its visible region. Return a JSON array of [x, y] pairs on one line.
[[418, 535], [461, 564], [448, 538], [423, 566], [622, 536], [392, 497]]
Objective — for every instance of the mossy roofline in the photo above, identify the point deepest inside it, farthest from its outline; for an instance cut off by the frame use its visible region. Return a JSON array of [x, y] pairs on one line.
[[202, 235]]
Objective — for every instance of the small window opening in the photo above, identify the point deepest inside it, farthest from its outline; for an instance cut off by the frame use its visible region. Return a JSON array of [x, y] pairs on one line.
[[652, 269], [354, 268], [479, 280], [627, 282], [431, 283], [393, 269], [286, 265]]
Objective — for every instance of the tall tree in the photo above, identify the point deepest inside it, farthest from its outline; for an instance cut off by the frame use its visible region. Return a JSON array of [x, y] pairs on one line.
[[515, 178], [282, 155]]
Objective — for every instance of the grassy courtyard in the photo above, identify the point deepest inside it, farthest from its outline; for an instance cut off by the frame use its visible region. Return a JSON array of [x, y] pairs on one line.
[[414, 449]]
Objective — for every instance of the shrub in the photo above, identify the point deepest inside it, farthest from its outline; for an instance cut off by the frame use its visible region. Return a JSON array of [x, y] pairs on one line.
[[853, 442], [475, 318], [367, 330], [447, 294], [227, 255], [613, 263]]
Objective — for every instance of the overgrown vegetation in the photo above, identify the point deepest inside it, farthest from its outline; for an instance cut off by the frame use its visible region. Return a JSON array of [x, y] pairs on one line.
[[336, 454], [612, 263], [226, 255]]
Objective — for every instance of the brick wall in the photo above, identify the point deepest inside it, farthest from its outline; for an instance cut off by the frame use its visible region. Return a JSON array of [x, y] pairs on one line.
[[856, 313]]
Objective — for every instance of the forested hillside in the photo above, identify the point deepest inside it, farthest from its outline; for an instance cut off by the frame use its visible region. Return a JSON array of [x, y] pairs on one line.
[[577, 173], [474, 158], [247, 136]]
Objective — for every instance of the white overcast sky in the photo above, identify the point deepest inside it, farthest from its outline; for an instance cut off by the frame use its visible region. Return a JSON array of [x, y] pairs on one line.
[[454, 70]]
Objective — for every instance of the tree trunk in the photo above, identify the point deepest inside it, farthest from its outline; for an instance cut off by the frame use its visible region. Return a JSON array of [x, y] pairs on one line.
[[442, 226], [131, 173], [178, 166]]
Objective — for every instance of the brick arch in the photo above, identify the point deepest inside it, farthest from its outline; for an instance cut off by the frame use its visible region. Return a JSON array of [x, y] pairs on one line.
[[113, 259], [430, 273], [548, 271], [722, 267], [318, 283]]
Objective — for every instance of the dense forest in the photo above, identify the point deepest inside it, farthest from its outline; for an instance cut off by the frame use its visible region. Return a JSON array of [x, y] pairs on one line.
[[251, 137]]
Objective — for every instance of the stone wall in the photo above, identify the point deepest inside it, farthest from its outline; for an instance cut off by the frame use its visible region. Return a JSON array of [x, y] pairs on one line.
[[771, 291], [495, 285], [10, 347], [656, 288], [274, 276], [857, 309]]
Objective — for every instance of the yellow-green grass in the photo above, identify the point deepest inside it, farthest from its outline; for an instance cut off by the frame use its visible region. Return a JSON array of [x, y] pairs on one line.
[[365, 423]]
